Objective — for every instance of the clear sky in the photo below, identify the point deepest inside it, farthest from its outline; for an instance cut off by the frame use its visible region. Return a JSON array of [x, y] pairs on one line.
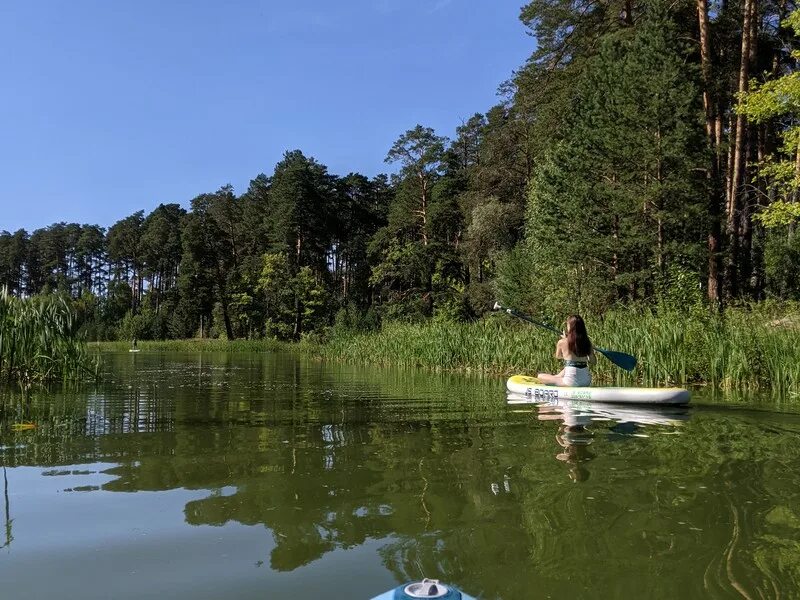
[[112, 106]]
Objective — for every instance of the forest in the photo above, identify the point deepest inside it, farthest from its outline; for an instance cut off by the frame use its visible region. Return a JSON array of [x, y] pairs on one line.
[[646, 154]]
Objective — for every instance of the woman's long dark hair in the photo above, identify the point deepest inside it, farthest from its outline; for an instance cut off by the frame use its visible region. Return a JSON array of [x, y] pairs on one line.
[[577, 339]]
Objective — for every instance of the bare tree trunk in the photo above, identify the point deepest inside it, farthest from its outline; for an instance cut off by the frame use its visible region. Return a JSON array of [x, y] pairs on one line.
[[223, 300], [796, 193], [745, 227], [732, 218], [705, 61], [659, 208], [750, 158], [713, 134], [718, 138], [423, 211], [729, 158], [297, 317], [757, 281], [227, 318], [297, 306]]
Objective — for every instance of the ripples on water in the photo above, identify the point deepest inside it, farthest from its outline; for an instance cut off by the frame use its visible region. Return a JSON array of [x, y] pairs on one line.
[[254, 476]]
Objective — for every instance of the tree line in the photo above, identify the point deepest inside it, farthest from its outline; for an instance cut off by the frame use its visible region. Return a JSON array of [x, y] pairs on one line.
[[645, 152], [669, 161]]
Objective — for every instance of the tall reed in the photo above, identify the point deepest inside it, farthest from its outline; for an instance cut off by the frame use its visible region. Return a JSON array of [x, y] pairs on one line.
[[742, 349], [39, 341]]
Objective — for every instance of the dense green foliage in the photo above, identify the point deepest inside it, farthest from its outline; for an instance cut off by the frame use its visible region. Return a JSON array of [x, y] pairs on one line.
[[646, 154], [38, 341]]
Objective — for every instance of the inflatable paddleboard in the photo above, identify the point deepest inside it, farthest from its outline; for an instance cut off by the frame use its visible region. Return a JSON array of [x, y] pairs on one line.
[[532, 391]]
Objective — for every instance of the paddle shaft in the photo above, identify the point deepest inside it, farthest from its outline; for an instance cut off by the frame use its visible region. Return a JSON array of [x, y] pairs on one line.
[[519, 315], [622, 360]]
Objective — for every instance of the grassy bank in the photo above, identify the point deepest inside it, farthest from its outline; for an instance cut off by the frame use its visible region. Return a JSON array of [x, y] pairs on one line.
[[39, 343], [745, 349]]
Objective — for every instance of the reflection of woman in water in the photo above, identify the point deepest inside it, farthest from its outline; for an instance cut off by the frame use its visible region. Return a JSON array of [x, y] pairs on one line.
[[575, 440], [572, 436]]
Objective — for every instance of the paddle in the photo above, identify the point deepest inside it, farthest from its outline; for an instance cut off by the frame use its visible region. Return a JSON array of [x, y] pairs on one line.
[[622, 360]]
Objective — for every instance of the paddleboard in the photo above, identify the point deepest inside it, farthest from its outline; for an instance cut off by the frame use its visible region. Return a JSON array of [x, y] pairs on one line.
[[134, 350], [532, 391]]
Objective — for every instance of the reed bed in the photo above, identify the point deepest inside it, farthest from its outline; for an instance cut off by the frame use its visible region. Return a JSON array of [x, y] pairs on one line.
[[742, 349], [39, 341]]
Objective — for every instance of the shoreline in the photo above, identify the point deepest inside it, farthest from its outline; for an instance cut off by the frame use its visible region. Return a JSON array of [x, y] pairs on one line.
[[742, 351]]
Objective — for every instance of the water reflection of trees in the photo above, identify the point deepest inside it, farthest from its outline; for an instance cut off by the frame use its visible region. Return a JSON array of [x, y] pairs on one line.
[[330, 466], [693, 514]]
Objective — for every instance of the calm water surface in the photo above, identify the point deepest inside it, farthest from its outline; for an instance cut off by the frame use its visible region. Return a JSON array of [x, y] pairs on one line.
[[275, 476]]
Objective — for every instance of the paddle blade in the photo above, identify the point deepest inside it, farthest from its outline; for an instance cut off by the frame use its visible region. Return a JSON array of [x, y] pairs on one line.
[[622, 360]]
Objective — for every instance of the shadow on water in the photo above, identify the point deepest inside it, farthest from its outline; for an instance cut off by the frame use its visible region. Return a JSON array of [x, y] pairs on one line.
[[434, 474]]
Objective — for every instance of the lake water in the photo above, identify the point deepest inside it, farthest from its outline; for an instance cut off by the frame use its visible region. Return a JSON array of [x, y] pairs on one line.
[[276, 476]]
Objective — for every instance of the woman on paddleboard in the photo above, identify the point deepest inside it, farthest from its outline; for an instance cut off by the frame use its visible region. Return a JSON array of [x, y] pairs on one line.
[[575, 349]]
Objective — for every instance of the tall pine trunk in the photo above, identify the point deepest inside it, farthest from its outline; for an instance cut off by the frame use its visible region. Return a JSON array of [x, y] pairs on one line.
[[733, 223], [745, 228], [298, 318], [713, 132], [423, 210], [223, 300]]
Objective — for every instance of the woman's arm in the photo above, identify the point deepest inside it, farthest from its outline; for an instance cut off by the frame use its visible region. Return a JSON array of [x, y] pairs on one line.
[[592, 357], [560, 348]]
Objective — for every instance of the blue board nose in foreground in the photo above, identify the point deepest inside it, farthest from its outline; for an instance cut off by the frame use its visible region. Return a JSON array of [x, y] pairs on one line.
[[427, 588]]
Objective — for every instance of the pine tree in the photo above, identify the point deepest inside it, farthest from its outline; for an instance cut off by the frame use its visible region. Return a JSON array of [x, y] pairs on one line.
[[617, 199]]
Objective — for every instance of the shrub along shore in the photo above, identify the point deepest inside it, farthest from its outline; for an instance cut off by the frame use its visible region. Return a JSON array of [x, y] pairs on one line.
[[746, 348]]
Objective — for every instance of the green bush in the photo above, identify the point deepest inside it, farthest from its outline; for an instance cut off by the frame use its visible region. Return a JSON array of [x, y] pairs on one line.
[[782, 265]]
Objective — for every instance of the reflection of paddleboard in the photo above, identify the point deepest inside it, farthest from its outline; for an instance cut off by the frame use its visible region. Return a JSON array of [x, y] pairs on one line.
[[427, 588], [578, 412], [535, 391], [132, 350]]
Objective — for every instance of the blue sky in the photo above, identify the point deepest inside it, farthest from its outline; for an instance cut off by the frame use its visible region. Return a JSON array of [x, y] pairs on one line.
[[112, 106]]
